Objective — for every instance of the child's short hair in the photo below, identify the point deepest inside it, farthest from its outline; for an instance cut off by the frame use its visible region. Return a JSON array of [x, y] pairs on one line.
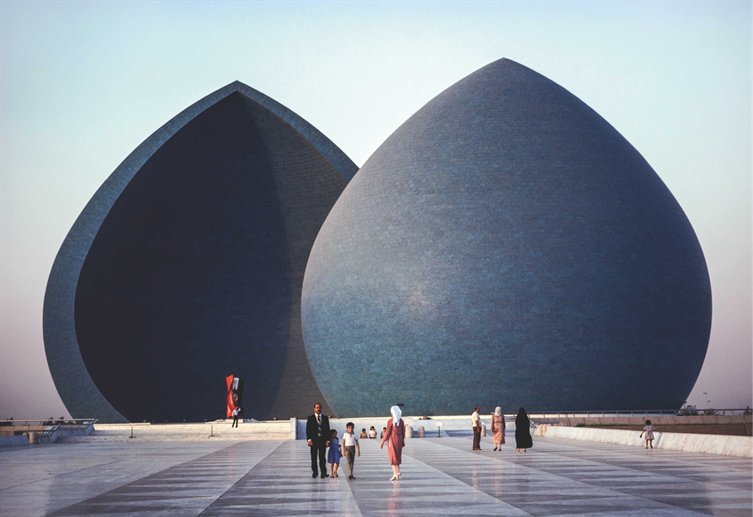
[[333, 432], [648, 422], [350, 424]]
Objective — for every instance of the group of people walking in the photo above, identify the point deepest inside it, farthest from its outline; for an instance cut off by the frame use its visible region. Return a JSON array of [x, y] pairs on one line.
[[319, 437], [523, 440]]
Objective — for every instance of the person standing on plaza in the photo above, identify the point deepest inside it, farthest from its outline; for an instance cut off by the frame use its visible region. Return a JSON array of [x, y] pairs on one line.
[[350, 448], [236, 412], [317, 438], [394, 435], [476, 421], [523, 438], [333, 457], [648, 430], [498, 429]]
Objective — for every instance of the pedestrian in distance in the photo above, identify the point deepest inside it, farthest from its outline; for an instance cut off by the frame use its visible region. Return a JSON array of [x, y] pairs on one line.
[[236, 413], [476, 422], [317, 438], [498, 429], [648, 430], [523, 440], [350, 448], [394, 436]]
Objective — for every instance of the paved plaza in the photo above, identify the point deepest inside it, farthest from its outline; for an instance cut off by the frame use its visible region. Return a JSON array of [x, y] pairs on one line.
[[441, 476]]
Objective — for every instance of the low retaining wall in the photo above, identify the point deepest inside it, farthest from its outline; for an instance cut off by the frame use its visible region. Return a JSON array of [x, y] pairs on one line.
[[218, 430], [656, 419], [10, 440], [740, 446], [434, 427], [742, 424], [33, 435]]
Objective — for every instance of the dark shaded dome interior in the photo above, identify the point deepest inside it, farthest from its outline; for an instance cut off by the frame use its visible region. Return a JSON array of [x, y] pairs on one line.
[[196, 271]]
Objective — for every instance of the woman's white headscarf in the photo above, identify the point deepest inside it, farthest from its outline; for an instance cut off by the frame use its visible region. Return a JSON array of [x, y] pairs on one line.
[[396, 414], [498, 411]]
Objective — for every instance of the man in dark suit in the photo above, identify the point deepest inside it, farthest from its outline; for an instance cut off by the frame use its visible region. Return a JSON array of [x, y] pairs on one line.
[[317, 436]]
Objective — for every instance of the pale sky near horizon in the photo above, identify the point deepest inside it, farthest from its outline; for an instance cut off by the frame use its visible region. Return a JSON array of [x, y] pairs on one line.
[[83, 83]]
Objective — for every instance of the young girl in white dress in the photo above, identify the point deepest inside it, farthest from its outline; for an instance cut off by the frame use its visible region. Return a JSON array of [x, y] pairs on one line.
[[648, 430]]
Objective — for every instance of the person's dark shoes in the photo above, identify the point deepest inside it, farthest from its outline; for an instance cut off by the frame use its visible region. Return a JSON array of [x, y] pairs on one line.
[[351, 477], [325, 476], [314, 475]]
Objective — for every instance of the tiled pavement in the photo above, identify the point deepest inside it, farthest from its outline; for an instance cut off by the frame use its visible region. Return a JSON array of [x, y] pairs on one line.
[[440, 477]]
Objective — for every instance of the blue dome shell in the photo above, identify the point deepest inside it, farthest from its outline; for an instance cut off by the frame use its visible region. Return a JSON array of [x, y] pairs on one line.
[[187, 265], [505, 245]]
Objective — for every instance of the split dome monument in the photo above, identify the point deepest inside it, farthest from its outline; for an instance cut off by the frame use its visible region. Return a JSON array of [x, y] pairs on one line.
[[505, 245]]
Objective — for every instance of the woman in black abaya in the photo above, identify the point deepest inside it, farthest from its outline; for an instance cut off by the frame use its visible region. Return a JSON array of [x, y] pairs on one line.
[[522, 431]]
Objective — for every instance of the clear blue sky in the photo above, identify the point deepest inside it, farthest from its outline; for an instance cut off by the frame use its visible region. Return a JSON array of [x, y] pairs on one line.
[[83, 83]]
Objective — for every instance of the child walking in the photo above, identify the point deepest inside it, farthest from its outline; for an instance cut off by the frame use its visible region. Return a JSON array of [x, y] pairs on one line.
[[334, 454], [648, 430], [350, 448]]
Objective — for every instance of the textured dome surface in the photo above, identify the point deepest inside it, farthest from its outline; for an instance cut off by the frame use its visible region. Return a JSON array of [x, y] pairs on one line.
[[505, 245], [187, 265]]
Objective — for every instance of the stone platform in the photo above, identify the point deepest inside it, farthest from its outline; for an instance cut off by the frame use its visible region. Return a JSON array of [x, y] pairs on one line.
[[441, 476]]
